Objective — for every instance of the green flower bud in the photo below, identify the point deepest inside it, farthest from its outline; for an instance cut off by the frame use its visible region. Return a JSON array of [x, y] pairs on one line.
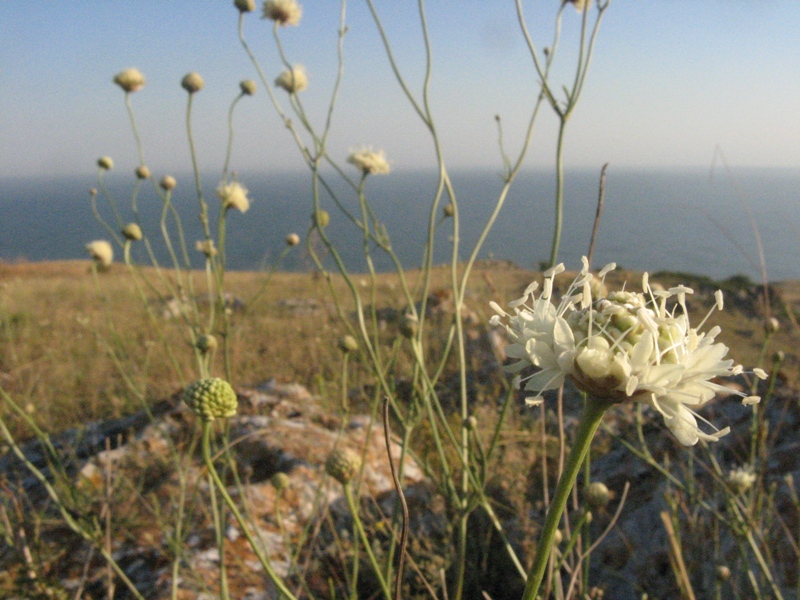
[[192, 82], [347, 343], [168, 183], [409, 326], [321, 218], [280, 481], [211, 398], [597, 495], [130, 80], [245, 5], [248, 87], [206, 343], [771, 325], [132, 232], [343, 464]]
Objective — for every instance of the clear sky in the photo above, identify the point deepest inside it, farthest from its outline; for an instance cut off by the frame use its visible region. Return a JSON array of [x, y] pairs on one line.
[[671, 79]]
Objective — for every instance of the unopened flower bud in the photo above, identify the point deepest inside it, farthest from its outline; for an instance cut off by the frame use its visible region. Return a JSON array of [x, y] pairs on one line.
[[245, 5], [105, 163], [168, 183], [449, 209], [142, 172], [293, 80], [343, 464], [292, 239], [558, 537], [771, 325], [132, 232], [348, 343], [192, 82], [130, 80], [101, 252], [280, 481], [409, 326], [778, 357], [248, 87], [321, 218], [722, 573], [93, 192], [206, 343], [211, 398], [598, 495], [471, 423]]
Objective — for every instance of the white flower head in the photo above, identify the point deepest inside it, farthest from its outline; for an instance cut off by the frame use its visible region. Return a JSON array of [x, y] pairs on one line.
[[234, 195], [625, 346], [293, 80], [283, 12], [369, 161], [101, 252], [742, 479]]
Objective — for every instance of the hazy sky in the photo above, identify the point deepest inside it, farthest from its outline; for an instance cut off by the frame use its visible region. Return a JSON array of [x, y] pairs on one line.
[[670, 80]]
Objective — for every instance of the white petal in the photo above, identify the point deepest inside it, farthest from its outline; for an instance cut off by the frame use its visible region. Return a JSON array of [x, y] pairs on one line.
[[534, 400], [750, 400], [760, 373], [604, 271]]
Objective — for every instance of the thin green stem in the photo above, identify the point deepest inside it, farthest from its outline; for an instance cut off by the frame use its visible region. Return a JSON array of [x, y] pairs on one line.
[[593, 412], [262, 558], [351, 503]]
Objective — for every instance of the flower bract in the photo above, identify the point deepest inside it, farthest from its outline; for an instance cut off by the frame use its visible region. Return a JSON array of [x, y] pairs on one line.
[[624, 346]]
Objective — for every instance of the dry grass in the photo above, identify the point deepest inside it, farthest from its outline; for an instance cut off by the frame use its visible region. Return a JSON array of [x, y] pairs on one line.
[[71, 351]]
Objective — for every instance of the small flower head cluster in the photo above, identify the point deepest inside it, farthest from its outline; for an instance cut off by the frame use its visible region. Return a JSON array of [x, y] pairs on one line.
[[369, 161], [211, 398], [234, 195], [101, 252], [283, 12], [625, 346], [293, 80]]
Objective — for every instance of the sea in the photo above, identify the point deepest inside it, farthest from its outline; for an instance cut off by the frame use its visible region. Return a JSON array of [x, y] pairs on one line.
[[683, 220]]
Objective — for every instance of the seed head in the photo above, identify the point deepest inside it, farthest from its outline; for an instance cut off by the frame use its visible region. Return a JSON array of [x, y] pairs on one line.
[[130, 80], [192, 82], [168, 183], [105, 163], [283, 12], [132, 232], [293, 80], [248, 87], [343, 464], [211, 398]]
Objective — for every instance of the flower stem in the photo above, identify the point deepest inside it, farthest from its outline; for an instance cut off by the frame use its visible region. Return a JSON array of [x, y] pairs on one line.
[[593, 411]]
